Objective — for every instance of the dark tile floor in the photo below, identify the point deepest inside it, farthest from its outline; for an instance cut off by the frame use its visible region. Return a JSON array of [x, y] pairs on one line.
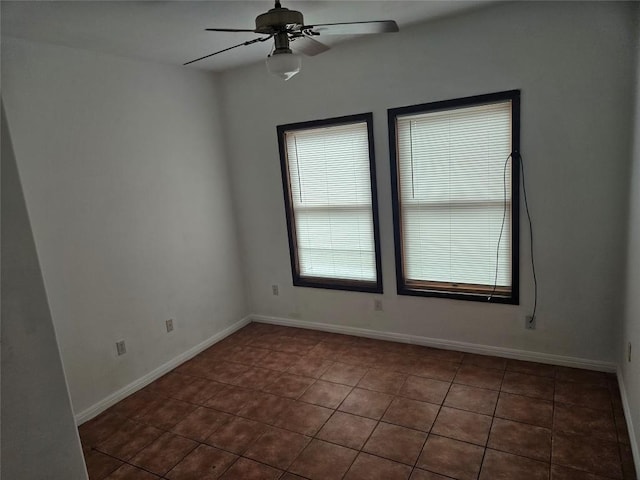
[[272, 402]]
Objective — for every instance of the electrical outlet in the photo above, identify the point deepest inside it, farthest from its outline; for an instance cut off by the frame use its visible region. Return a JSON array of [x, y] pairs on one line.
[[275, 290], [629, 352], [121, 347], [169, 325], [377, 305], [530, 323]]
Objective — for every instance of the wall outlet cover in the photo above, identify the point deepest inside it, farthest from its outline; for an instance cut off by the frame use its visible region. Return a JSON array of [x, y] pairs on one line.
[[121, 348], [530, 322]]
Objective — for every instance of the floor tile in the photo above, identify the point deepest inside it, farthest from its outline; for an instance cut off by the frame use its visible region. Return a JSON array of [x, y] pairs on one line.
[[164, 453], [436, 369], [136, 404], [256, 378], [525, 409], [440, 354], [504, 466], [168, 413], [369, 467], [236, 435], [347, 430], [327, 350], [277, 447], [358, 355], [128, 440], [98, 429], [382, 381], [462, 425], [520, 439], [265, 407], [396, 443], [129, 472], [484, 361], [295, 345], [199, 391], [248, 355], [587, 454], [303, 418], [564, 473], [170, 383], [280, 361], [590, 396], [201, 423], [531, 368], [245, 469], [344, 373], [411, 413], [418, 474], [203, 463], [479, 377], [100, 465], [442, 455], [310, 367], [366, 403], [326, 394], [226, 372], [195, 367], [478, 400], [579, 375], [528, 385], [231, 399], [323, 461], [584, 421], [626, 457], [425, 389], [289, 385]]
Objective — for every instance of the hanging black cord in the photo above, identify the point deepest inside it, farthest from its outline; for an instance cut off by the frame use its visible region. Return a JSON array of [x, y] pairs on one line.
[[533, 263], [504, 216]]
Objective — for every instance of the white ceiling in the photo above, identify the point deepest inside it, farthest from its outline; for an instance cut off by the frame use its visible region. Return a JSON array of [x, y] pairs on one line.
[[173, 31]]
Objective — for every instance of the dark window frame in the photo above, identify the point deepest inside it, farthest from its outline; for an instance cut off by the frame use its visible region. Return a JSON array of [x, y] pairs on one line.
[[404, 286], [322, 282]]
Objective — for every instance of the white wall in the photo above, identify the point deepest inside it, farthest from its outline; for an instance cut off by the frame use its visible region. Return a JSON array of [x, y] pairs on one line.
[[573, 63], [631, 320], [39, 439], [125, 180]]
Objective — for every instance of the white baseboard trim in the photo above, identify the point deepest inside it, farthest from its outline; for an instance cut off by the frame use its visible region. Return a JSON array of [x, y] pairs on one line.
[[628, 420], [133, 387], [513, 353]]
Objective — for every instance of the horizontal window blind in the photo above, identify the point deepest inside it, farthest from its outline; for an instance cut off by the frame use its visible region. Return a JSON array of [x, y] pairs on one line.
[[330, 187], [453, 192]]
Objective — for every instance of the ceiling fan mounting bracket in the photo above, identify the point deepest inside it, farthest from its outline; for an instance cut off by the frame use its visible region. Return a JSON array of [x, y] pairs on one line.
[[279, 19]]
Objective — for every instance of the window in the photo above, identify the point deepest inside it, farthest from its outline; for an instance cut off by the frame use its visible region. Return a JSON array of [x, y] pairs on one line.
[[455, 197], [328, 177]]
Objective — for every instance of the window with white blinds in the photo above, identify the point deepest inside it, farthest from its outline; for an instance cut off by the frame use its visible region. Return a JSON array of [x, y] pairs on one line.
[[453, 197], [330, 202]]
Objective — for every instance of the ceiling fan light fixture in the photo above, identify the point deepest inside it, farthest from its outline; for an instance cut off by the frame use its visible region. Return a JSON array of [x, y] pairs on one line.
[[284, 64]]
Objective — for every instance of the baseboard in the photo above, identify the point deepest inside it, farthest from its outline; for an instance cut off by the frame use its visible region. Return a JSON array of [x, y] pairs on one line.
[[133, 387], [444, 344], [629, 421]]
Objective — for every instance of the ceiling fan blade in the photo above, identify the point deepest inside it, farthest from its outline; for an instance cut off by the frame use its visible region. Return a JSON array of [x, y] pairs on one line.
[[249, 42], [354, 28], [229, 30], [309, 46]]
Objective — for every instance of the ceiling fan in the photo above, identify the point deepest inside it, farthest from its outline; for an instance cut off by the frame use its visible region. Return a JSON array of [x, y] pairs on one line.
[[287, 27]]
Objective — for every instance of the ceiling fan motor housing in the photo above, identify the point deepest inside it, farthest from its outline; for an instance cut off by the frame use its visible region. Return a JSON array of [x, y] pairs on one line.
[[278, 19]]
